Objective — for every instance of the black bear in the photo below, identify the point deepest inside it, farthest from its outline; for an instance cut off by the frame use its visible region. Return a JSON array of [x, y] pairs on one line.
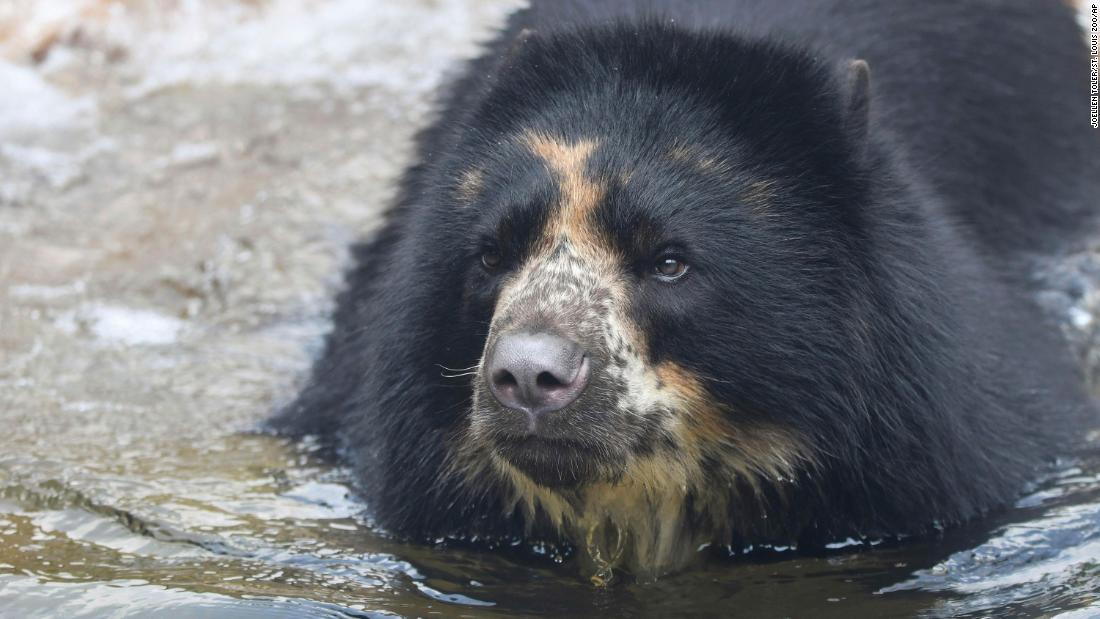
[[737, 272]]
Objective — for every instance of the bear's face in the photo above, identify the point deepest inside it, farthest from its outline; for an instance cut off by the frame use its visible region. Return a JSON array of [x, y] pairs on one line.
[[631, 297], [574, 400]]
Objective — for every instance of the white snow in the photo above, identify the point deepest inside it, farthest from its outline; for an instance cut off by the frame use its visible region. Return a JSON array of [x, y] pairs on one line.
[[43, 292], [60, 170], [190, 154], [346, 43], [133, 326], [349, 42], [29, 104], [117, 324]]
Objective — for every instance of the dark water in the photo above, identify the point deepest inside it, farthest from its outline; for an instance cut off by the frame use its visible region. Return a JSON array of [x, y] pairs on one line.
[[249, 525], [178, 183]]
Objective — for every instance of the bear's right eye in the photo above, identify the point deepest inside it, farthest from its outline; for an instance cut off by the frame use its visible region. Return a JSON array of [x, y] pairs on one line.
[[490, 259]]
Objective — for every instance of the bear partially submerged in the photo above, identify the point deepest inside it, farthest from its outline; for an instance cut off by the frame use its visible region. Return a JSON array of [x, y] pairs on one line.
[[692, 276]]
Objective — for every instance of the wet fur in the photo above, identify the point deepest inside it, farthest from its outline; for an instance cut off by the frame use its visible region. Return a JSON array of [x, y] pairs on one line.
[[861, 355]]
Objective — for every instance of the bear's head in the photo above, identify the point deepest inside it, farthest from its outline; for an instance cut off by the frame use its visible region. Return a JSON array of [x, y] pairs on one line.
[[604, 305], [664, 258]]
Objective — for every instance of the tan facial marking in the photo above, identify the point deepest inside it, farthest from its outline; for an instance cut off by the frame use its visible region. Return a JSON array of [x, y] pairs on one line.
[[470, 185], [703, 418], [757, 448], [758, 195], [579, 194], [703, 161], [637, 520], [680, 153]]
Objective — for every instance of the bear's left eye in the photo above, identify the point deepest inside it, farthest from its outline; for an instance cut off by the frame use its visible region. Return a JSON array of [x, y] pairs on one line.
[[670, 268]]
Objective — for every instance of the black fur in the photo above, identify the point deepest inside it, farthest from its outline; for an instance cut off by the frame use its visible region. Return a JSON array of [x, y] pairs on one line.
[[879, 304]]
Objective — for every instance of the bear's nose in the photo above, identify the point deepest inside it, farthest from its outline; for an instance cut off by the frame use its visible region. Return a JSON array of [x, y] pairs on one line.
[[537, 373]]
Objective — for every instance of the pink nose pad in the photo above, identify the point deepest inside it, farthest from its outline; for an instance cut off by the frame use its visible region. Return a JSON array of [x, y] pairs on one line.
[[537, 373]]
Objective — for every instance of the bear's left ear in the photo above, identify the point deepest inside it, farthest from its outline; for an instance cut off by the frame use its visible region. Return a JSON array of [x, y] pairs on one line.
[[859, 100]]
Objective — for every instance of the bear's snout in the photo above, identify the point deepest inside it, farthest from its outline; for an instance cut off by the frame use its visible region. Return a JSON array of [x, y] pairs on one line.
[[537, 373]]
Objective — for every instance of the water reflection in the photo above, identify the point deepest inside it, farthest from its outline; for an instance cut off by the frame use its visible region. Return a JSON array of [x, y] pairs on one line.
[[250, 523]]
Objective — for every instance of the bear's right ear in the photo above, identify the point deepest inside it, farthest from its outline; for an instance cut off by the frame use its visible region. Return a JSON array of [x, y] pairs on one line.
[[859, 100]]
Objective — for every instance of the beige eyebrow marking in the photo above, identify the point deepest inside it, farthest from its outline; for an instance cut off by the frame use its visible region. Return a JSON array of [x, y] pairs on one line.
[[470, 184], [760, 194], [703, 161], [579, 194]]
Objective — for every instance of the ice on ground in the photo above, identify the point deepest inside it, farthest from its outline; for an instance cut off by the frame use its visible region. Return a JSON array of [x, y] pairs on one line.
[[187, 154], [118, 324], [36, 291], [29, 104], [348, 43]]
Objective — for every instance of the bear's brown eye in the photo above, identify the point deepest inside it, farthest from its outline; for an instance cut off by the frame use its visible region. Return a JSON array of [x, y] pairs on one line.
[[669, 268], [490, 259]]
